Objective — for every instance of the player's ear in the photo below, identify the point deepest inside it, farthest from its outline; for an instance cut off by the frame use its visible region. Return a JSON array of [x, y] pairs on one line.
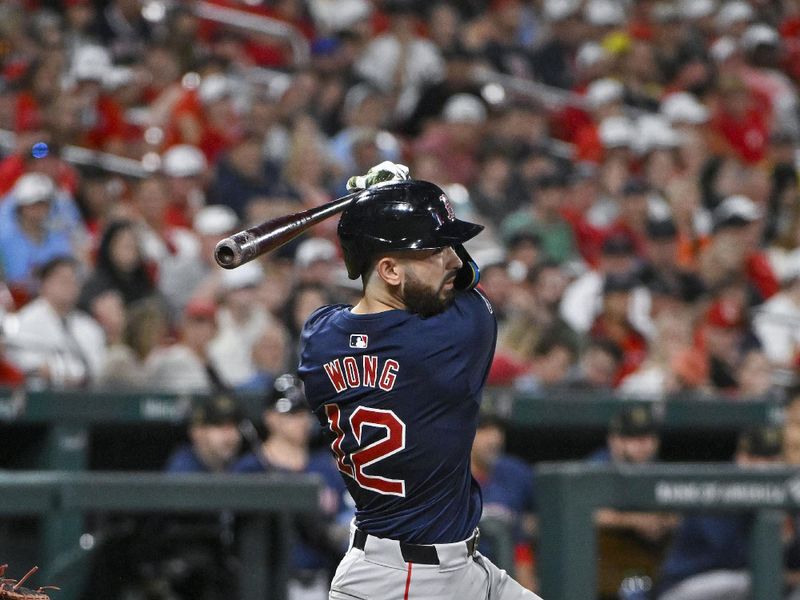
[[389, 269]]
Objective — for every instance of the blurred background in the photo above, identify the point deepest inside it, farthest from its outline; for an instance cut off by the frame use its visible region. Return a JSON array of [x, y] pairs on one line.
[[634, 163]]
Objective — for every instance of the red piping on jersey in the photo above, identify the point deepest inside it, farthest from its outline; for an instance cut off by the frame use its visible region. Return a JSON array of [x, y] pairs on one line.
[[408, 581]]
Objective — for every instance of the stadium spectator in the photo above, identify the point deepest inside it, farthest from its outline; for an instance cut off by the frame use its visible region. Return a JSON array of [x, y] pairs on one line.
[[186, 170], [240, 322], [507, 485], [709, 555], [270, 357], [543, 216], [630, 542], [214, 438], [613, 322], [186, 366], [161, 241], [146, 329], [55, 344], [29, 235], [400, 61], [190, 274], [733, 249], [777, 323], [597, 366], [582, 300], [119, 266], [242, 174], [286, 450]]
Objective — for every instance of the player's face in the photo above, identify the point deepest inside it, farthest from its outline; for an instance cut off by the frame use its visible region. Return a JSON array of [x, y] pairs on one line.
[[216, 445], [428, 285]]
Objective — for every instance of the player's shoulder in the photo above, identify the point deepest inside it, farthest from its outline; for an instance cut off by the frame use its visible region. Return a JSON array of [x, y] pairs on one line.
[[322, 316], [474, 300]]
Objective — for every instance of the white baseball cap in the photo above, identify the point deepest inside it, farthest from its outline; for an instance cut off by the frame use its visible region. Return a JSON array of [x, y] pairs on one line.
[[683, 107], [723, 48], [250, 274], [604, 91], [733, 12], [759, 35], [91, 63], [215, 219], [697, 9], [589, 54], [183, 160], [464, 108], [214, 87], [604, 13], [736, 209], [654, 132], [314, 250], [32, 188], [558, 10], [617, 132]]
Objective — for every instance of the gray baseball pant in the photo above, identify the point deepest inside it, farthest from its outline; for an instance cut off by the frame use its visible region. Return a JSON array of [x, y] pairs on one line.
[[379, 572]]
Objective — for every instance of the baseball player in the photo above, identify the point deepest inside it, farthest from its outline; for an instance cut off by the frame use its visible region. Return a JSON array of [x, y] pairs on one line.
[[396, 383]]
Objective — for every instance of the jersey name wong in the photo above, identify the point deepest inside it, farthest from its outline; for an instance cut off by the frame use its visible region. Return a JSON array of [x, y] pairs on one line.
[[352, 372]]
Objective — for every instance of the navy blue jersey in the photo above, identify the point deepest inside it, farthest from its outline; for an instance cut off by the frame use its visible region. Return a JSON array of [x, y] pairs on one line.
[[398, 396]]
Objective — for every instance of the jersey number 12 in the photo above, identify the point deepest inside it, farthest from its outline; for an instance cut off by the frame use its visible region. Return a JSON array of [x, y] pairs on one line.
[[354, 463]]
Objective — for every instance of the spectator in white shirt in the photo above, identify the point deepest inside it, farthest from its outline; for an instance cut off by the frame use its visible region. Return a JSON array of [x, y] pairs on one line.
[[52, 341], [777, 322]]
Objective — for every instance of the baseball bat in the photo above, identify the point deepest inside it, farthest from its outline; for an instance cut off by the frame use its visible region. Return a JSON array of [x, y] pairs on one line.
[[246, 245]]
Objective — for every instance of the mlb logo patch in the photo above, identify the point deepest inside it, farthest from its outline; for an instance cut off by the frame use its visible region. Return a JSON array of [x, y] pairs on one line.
[[358, 340]]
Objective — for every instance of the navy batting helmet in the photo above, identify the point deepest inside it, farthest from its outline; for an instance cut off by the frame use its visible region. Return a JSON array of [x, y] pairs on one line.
[[399, 215]]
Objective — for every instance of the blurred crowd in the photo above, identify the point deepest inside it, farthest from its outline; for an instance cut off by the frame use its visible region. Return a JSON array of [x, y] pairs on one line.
[[633, 161]]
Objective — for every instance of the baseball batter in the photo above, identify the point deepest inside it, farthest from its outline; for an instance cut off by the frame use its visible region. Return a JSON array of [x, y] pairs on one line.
[[396, 382]]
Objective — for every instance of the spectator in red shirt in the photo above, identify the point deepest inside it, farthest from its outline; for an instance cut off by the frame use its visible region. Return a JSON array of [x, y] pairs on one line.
[[741, 123], [612, 323], [733, 250]]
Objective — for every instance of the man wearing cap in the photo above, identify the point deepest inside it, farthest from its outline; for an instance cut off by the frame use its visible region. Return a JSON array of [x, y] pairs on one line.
[[186, 169], [660, 273], [709, 556], [214, 438], [630, 541], [28, 238], [583, 298], [322, 538], [195, 273], [734, 251]]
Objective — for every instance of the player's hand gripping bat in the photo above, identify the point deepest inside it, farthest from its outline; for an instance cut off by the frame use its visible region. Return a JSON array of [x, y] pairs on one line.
[[246, 245]]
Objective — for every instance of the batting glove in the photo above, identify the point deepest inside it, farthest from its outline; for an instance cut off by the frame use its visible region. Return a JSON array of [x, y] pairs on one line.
[[386, 171]]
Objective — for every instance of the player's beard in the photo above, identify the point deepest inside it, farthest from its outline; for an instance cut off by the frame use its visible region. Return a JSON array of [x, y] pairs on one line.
[[423, 300]]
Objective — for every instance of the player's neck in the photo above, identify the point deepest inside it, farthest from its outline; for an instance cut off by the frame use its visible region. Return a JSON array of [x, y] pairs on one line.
[[375, 304]]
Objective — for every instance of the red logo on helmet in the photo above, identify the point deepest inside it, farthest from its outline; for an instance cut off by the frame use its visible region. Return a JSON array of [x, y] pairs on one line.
[[451, 214]]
